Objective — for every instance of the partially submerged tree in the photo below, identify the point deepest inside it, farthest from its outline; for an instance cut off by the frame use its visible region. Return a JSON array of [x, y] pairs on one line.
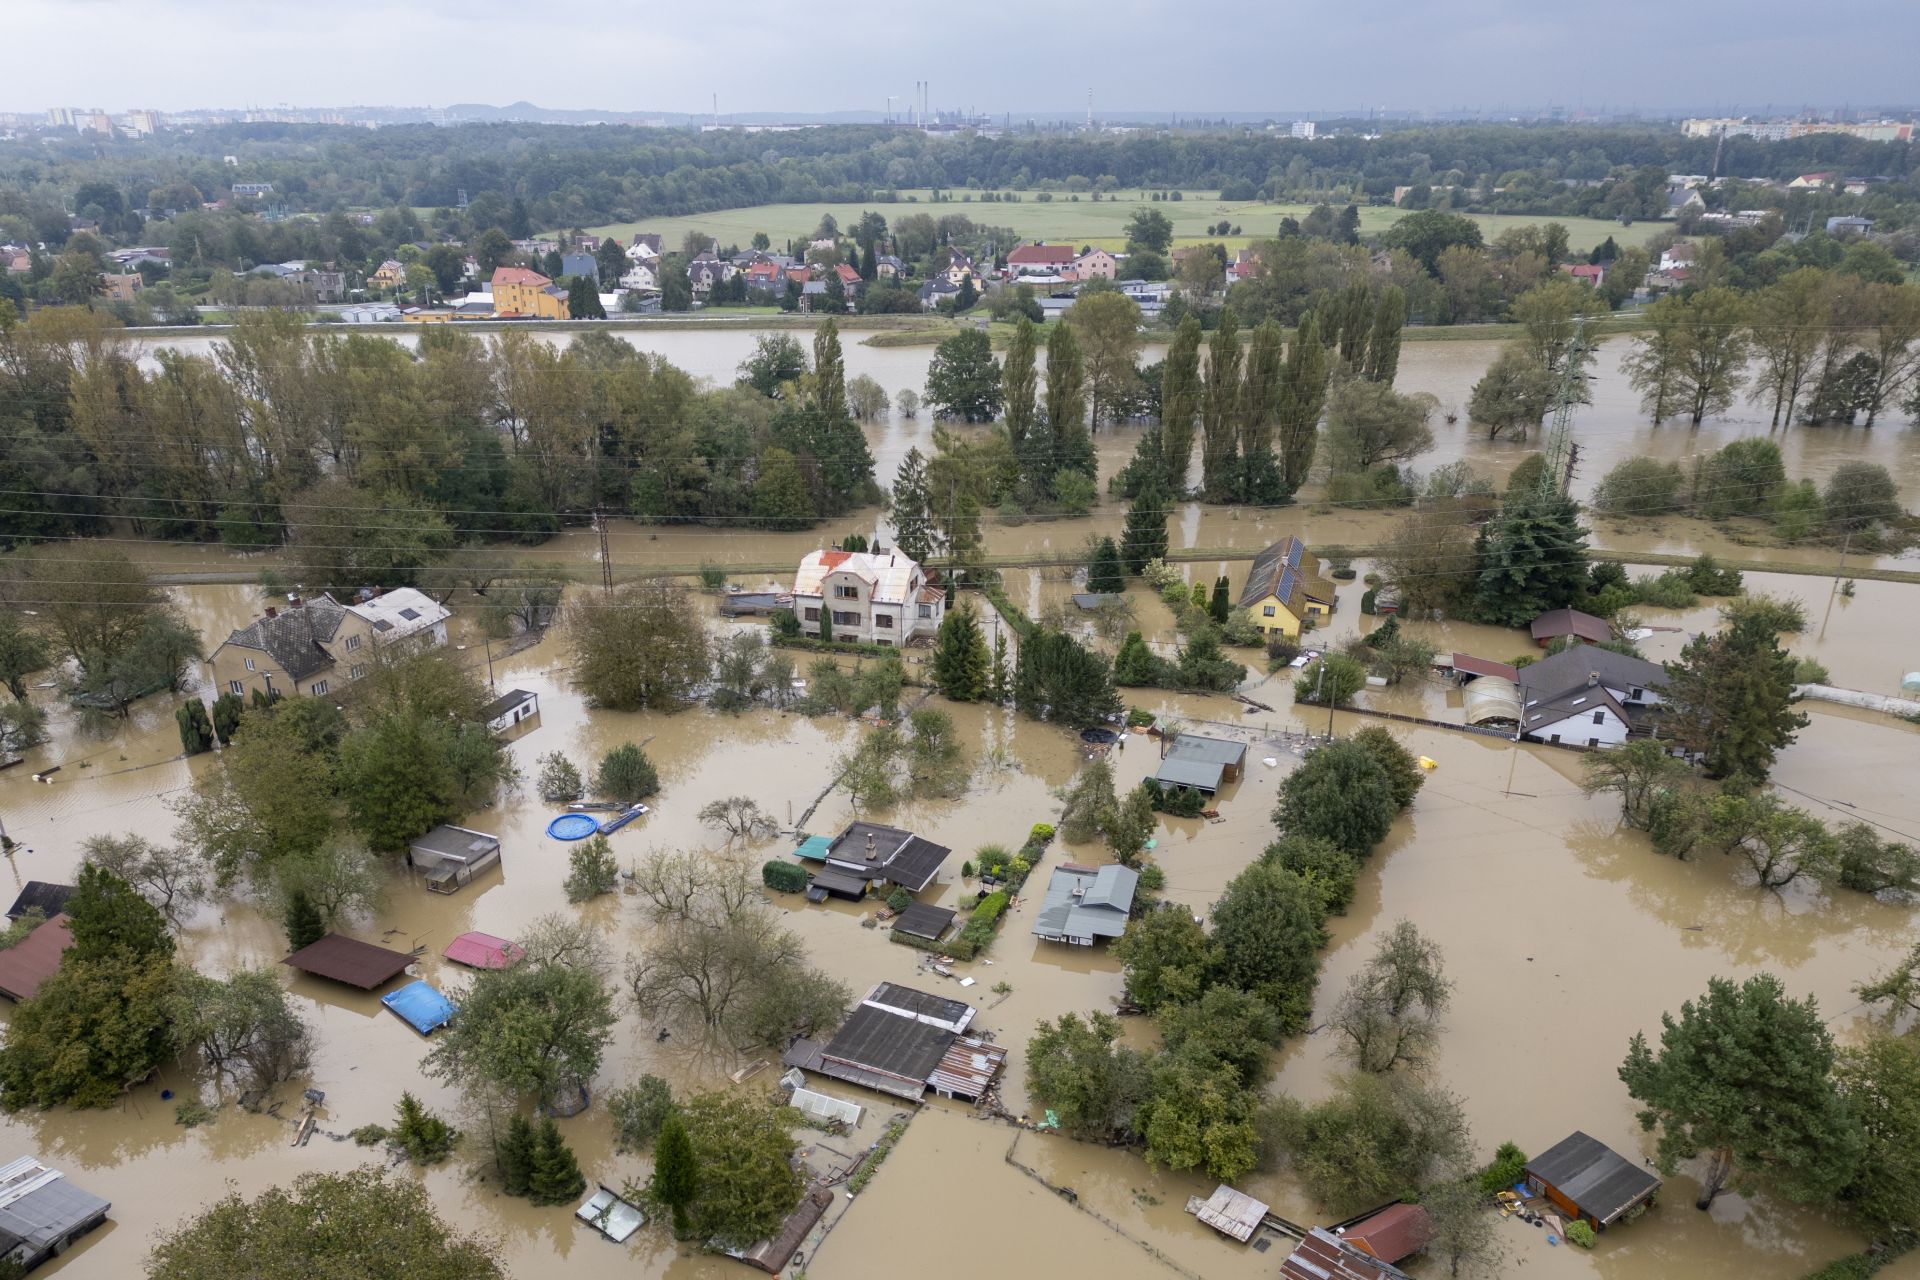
[[1379, 1137], [1079, 1070], [243, 1028], [747, 1183], [1390, 1014], [646, 647], [171, 879]]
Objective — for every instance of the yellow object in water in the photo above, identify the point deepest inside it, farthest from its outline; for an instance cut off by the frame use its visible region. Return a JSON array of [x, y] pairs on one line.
[[1428, 762]]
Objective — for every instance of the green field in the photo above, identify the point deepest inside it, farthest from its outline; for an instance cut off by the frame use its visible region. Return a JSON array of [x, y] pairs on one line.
[[1082, 222]]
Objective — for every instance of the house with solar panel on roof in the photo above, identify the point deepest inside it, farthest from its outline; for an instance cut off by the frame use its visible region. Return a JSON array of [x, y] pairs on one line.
[[317, 647], [1285, 593]]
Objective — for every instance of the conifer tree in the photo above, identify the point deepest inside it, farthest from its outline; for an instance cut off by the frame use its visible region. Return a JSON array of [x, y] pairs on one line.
[[1180, 402], [1002, 685], [1144, 536], [513, 1154], [826, 620], [1219, 403], [554, 1175], [1105, 573], [1731, 700], [913, 527], [1303, 394], [1019, 384], [1533, 557], [1356, 325], [1218, 607], [676, 1176], [961, 667]]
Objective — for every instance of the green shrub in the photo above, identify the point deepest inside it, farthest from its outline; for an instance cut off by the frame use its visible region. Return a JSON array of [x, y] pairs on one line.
[[784, 624], [978, 931], [783, 877], [1041, 833], [966, 869], [1580, 1233], [713, 576], [1707, 577], [626, 775], [1136, 719], [1807, 671], [899, 900], [1509, 1162], [1329, 869], [191, 1112], [1770, 613], [1181, 802], [1671, 590], [368, 1135]]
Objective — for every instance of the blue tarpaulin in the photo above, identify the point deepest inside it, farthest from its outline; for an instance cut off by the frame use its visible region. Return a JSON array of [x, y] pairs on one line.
[[813, 849], [420, 1006]]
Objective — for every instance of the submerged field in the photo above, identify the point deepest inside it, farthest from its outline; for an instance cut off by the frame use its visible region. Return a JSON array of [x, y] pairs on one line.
[[1083, 221]]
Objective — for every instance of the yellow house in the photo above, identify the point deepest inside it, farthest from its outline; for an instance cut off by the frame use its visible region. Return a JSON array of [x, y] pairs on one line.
[[1283, 594], [520, 293], [388, 275]]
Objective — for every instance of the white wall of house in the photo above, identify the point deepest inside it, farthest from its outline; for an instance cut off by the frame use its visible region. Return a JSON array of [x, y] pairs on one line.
[[1597, 728]]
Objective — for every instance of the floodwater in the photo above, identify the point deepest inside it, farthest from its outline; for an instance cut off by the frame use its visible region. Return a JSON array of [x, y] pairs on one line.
[[1563, 934]]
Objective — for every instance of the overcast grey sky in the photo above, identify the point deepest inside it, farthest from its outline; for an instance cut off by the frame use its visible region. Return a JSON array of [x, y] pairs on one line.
[[994, 55]]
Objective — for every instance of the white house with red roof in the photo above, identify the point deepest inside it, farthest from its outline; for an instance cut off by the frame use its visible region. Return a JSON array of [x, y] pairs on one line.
[[873, 597], [1041, 260]]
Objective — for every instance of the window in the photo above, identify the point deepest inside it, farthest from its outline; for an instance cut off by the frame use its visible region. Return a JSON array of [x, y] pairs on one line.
[[1593, 742], [813, 615], [1599, 717], [841, 619], [1638, 694], [1554, 738], [883, 620], [882, 640], [353, 642], [318, 687], [926, 611], [358, 671], [841, 591], [1267, 611], [233, 687], [249, 664]]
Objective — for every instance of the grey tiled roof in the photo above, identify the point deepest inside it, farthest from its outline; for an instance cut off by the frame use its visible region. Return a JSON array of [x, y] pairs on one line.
[[295, 638]]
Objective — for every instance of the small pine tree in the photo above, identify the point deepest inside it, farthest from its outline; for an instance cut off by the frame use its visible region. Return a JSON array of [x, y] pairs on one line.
[[513, 1155], [554, 1177], [1144, 536], [196, 731], [676, 1174], [426, 1138], [826, 623], [1105, 573], [305, 926], [1219, 608], [1002, 685], [960, 661]]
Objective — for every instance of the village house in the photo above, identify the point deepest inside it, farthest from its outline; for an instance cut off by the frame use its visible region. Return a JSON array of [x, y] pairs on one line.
[[869, 853], [936, 291], [451, 856], [1085, 904], [520, 293], [1322, 1255], [1587, 273], [903, 1042], [537, 248], [509, 709], [121, 288], [642, 277], [1676, 257], [1283, 594], [767, 277], [1040, 259], [850, 281], [1588, 696], [888, 267], [1204, 764], [388, 275], [1094, 263], [874, 597], [646, 246], [706, 271], [580, 264], [315, 646]]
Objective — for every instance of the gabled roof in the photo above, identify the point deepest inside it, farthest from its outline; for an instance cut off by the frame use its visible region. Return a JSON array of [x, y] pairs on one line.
[[1570, 622], [28, 963], [1325, 1256], [1087, 902], [505, 703], [1285, 571], [483, 951], [49, 899], [1572, 666], [1538, 714], [295, 638], [519, 275], [1468, 665], [847, 274], [348, 960], [1397, 1231], [924, 920], [920, 1005], [891, 573], [1040, 254], [888, 1044], [1601, 1182]]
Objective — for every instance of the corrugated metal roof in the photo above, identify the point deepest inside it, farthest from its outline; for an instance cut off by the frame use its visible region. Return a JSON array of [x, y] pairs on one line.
[[1601, 1182], [967, 1068], [1190, 773], [1490, 698], [1230, 1212], [892, 574]]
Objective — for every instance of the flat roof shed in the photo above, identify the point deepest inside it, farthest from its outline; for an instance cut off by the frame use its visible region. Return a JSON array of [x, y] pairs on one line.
[[349, 960], [31, 961], [41, 1213], [1583, 1176], [885, 1051], [483, 951], [1231, 1213], [1203, 763], [923, 920]]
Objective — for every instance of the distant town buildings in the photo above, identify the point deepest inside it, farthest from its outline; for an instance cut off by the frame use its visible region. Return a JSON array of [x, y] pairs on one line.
[[1780, 130]]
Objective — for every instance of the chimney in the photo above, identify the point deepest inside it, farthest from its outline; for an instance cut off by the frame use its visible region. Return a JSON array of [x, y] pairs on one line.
[[1593, 678], [272, 612], [294, 602], [870, 847]]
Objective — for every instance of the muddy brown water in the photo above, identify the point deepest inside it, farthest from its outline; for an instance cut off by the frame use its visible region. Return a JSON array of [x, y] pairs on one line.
[[1563, 933]]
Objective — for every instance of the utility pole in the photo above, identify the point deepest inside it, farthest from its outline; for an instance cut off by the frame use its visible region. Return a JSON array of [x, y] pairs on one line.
[[606, 555], [1835, 588], [1573, 458]]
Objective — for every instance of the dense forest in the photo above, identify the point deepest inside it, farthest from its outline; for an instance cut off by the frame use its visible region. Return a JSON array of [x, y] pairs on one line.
[[523, 177]]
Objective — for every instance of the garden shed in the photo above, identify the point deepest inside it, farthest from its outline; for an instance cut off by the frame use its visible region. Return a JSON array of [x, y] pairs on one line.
[[1585, 1178]]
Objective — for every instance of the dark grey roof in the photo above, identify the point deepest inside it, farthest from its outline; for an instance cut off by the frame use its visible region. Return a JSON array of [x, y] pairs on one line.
[[920, 1003], [1538, 713], [1190, 773], [1272, 570], [906, 859], [889, 1043], [852, 845], [846, 883], [1194, 746], [915, 864], [457, 843], [294, 638], [1087, 902], [45, 1215], [49, 899], [1600, 1181], [504, 703], [1569, 669], [1091, 600], [923, 920]]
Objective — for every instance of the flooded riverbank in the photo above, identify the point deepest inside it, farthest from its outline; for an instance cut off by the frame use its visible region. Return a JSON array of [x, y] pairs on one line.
[[1564, 934]]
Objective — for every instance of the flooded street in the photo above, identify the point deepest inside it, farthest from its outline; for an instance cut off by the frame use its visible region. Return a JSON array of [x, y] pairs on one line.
[[1564, 934]]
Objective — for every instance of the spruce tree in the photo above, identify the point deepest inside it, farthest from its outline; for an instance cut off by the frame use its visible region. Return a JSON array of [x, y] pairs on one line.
[[1105, 573], [869, 267], [1002, 686], [913, 527], [1147, 466], [1218, 405], [1144, 536], [961, 667], [1383, 345], [1730, 700], [1533, 557], [676, 1175], [826, 620], [554, 1177], [1219, 607], [1303, 394], [303, 922], [513, 1155], [1179, 402]]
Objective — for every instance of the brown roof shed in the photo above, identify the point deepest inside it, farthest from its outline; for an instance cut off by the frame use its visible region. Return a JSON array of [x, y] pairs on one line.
[[773, 1255], [349, 960], [31, 961]]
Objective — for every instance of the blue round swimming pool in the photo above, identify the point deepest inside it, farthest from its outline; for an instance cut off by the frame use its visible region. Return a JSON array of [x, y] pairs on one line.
[[572, 826]]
